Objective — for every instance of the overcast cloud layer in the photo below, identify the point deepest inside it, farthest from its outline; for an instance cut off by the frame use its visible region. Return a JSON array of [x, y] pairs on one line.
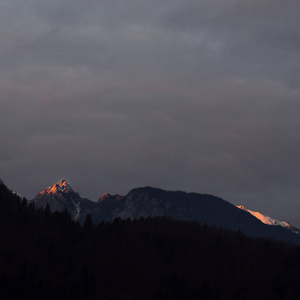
[[201, 96]]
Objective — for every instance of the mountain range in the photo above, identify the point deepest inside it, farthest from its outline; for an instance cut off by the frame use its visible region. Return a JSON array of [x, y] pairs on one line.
[[46, 255], [152, 202]]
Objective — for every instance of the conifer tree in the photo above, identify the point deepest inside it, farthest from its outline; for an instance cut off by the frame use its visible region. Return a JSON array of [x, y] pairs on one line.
[[88, 223]]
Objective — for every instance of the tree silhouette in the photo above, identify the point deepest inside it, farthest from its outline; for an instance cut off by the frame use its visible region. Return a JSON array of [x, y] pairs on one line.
[[47, 210], [88, 223]]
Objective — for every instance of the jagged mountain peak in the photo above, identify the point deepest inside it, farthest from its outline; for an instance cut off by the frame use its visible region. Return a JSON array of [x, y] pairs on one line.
[[61, 196], [108, 197], [104, 197], [61, 187]]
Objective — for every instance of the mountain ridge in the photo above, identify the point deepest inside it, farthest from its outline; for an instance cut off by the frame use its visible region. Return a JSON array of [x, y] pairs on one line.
[[144, 202], [270, 221]]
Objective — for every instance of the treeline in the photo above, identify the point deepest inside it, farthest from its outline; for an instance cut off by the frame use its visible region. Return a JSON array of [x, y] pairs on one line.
[[46, 255]]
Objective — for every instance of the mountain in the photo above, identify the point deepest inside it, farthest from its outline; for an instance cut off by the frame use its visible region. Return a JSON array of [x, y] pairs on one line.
[[270, 221], [212, 210], [152, 202], [60, 196]]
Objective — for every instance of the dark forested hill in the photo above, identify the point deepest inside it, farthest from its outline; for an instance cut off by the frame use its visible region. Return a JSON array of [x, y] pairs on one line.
[[45, 255]]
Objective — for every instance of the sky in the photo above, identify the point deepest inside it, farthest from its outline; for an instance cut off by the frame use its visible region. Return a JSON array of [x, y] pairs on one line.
[[200, 96]]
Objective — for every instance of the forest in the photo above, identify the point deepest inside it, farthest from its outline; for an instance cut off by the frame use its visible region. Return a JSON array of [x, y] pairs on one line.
[[45, 255]]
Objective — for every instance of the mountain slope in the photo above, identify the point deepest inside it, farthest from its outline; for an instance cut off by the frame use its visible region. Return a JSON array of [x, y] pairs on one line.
[[60, 196], [214, 211], [152, 202], [270, 221]]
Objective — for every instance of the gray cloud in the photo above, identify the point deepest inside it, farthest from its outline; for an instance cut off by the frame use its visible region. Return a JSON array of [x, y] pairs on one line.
[[194, 95]]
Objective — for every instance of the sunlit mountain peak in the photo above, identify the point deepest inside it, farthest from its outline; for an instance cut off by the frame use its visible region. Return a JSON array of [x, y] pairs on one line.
[[61, 187], [104, 197]]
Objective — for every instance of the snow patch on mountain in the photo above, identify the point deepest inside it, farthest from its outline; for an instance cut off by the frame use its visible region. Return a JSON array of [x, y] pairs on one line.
[[19, 195], [268, 220], [78, 210]]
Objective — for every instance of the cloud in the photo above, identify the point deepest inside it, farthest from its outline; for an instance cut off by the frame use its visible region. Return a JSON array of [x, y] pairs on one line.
[[200, 96]]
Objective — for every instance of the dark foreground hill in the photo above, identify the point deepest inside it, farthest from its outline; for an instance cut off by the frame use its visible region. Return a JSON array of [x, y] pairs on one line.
[[46, 255]]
